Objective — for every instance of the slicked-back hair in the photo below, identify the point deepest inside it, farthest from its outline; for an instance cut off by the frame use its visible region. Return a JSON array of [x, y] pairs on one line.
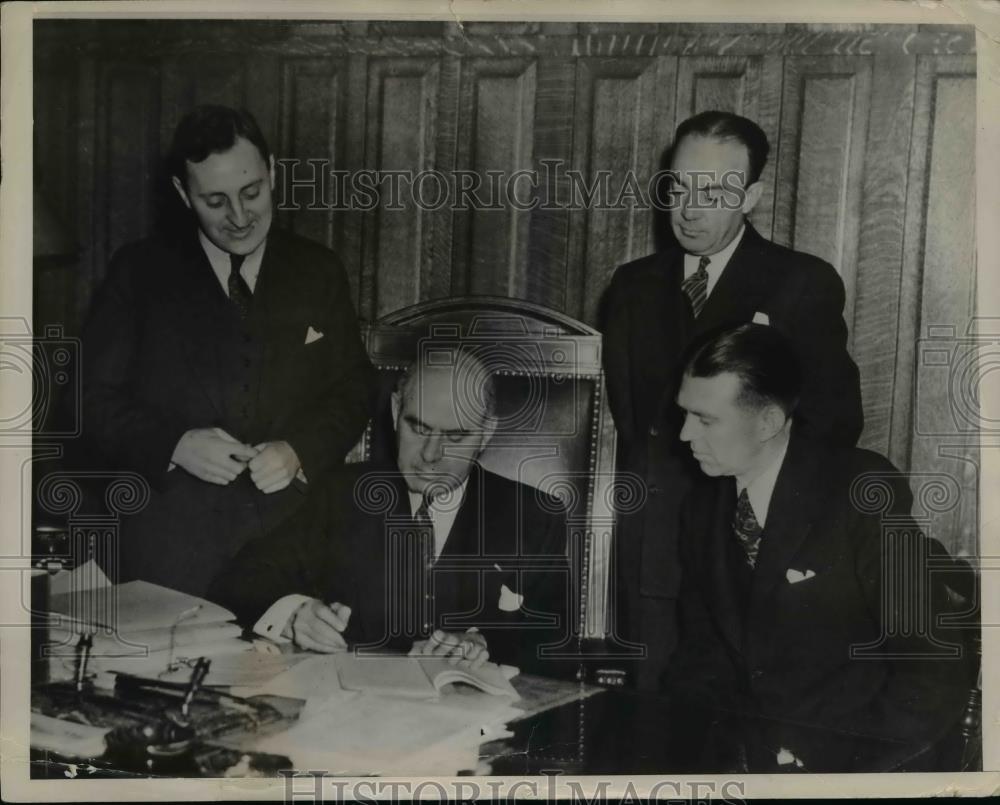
[[762, 358], [727, 126], [209, 130], [480, 391]]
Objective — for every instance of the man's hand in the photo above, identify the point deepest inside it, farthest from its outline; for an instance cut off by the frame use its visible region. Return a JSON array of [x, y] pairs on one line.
[[318, 627], [469, 648], [212, 455], [274, 466]]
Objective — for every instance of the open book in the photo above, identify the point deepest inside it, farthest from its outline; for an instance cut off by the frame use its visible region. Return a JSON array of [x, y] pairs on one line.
[[419, 677]]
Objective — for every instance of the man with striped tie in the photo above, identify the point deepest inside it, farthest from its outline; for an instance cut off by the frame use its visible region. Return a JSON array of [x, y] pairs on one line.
[[796, 605], [718, 271]]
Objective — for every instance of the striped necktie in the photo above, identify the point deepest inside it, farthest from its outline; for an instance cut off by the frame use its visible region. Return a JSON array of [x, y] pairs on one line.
[[746, 528], [239, 292], [696, 286]]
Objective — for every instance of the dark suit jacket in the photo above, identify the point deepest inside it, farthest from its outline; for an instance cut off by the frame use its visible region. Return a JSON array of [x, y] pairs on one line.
[[337, 548], [648, 326], [761, 643], [152, 369]]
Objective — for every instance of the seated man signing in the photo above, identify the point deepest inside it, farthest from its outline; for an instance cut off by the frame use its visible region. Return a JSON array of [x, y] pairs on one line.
[[429, 553], [797, 605]]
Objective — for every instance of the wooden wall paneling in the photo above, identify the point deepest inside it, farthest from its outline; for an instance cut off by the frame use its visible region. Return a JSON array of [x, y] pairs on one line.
[[880, 244], [130, 138], [939, 271], [402, 108], [88, 212], [548, 245], [747, 85], [439, 272], [624, 107], [54, 178], [495, 135], [355, 137], [313, 99], [821, 160]]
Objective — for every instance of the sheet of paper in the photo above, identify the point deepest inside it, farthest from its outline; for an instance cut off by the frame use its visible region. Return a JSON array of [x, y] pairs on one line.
[[310, 677], [137, 606], [391, 675], [87, 576], [372, 734]]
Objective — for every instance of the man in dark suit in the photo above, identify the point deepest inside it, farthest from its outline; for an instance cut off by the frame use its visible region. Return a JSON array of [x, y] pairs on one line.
[[797, 604], [430, 550], [224, 365], [719, 272]]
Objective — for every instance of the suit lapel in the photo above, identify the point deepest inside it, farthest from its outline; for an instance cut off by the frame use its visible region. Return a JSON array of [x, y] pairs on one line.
[[195, 293], [740, 289], [795, 505], [723, 591]]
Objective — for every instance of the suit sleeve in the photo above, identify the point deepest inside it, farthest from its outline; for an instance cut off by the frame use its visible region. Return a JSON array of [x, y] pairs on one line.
[[830, 408], [924, 692], [700, 668], [329, 423], [133, 434], [287, 561], [616, 359]]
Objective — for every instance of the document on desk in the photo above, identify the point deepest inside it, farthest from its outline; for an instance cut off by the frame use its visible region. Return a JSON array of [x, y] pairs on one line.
[[136, 606], [416, 677], [373, 734]]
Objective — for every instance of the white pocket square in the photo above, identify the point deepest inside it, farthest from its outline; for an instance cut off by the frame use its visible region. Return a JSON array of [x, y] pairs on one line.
[[761, 318], [509, 600], [313, 335], [795, 576]]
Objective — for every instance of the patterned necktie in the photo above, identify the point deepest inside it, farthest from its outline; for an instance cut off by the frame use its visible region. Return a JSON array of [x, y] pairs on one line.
[[696, 286], [746, 528], [425, 534], [239, 291]]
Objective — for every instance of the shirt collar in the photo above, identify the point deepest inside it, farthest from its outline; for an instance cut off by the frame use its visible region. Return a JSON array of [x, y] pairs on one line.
[[219, 260], [717, 262], [433, 505], [761, 489]]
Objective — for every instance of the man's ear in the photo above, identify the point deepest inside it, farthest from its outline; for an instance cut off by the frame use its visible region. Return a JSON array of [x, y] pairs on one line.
[[179, 187], [751, 196], [772, 420]]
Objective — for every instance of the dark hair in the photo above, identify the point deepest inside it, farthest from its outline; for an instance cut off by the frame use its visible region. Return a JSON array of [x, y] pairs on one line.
[[761, 357], [210, 130], [727, 126]]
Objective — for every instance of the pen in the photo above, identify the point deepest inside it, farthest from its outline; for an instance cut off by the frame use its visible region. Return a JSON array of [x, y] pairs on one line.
[[197, 676], [83, 657]]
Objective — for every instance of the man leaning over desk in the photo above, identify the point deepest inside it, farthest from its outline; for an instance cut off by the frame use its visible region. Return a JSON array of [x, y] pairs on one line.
[[429, 553], [799, 605]]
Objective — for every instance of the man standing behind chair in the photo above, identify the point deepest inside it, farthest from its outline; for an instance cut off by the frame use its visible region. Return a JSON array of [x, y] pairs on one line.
[[224, 365], [720, 272], [799, 603]]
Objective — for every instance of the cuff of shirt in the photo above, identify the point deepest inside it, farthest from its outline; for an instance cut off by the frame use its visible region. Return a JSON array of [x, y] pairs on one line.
[[273, 622]]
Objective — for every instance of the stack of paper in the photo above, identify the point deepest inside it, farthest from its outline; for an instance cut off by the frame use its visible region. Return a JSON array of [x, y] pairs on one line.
[[138, 627]]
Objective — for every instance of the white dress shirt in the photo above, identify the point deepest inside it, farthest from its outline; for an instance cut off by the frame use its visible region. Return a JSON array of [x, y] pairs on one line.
[[761, 488], [717, 262], [222, 267], [442, 514]]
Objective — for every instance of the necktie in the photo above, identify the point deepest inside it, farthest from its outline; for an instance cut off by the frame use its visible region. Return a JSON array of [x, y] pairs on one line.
[[425, 534], [239, 291], [746, 528], [696, 286]]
